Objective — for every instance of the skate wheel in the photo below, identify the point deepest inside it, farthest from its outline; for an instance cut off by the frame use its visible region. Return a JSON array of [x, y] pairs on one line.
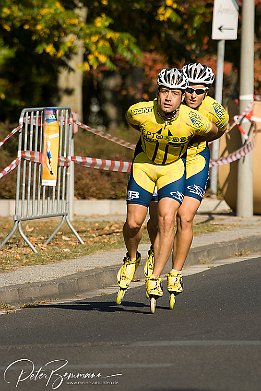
[[153, 302], [120, 295], [172, 301]]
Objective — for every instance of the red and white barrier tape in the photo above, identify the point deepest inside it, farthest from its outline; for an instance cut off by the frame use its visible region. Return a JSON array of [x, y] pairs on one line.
[[232, 157], [116, 165], [37, 157], [101, 164], [10, 135], [10, 167], [255, 119], [34, 156], [91, 162], [121, 166], [239, 119], [107, 136]]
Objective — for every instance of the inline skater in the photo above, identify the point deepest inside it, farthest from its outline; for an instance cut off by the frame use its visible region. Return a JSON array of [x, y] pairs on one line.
[[200, 78], [166, 128]]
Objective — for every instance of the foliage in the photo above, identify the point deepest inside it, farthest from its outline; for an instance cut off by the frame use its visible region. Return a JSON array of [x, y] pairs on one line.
[[173, 28], [171, 33], [56, 28], [38, 38]]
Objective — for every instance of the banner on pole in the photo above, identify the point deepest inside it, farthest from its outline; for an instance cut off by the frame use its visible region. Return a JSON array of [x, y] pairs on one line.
[[50, 147]]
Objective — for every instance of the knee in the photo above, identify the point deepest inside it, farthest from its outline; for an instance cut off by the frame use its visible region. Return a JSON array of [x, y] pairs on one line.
[[133, 225], [184, 220]]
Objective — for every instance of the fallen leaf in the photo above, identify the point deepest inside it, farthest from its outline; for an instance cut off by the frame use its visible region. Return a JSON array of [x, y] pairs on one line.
[[65, 238], [29, 229]]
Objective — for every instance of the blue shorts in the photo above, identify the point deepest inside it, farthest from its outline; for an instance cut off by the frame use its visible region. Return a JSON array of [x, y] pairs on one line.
[[144, 175], [197, 174]]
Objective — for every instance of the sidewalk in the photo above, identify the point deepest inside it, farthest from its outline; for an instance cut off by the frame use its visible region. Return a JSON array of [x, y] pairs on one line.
[[69, 279]]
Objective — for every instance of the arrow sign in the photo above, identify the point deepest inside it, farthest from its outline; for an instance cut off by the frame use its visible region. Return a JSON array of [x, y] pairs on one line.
[[221, 28], [225, 13]]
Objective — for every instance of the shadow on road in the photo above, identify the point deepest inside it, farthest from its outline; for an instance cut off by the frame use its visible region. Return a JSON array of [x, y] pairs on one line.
[[103, 306]]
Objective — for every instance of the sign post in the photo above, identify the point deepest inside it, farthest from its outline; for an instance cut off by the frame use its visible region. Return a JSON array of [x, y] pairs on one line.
[[245, 165], [224, 27]]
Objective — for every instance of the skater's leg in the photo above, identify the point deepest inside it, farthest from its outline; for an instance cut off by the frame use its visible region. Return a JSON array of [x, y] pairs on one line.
[[132, 229], [132, 232], [184, 233], [138, 200], [164, 241], [152, 225], [170, 193], [197, 171]]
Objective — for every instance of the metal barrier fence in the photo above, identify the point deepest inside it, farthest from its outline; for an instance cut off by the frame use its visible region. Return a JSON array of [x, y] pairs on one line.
[[33, 199]]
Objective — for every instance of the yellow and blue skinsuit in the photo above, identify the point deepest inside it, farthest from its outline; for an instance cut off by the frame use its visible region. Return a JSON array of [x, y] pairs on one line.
[[159, 157], [198, 155]]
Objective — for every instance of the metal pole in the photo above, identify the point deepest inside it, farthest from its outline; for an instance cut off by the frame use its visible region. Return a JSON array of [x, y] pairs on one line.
[[218, 97], [245, 176], [73, 117]]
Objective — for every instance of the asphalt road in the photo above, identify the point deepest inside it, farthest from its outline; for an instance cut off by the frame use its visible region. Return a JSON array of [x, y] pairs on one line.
[[211, 341]]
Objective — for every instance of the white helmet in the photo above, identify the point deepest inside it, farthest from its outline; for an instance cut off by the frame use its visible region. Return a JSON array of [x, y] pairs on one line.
[[172, 78], [198, 73]]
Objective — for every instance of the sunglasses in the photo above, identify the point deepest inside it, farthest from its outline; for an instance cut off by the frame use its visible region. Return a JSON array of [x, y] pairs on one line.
[[198, 91]]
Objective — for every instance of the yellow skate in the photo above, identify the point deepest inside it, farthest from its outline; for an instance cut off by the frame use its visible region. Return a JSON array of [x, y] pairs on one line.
[[126, 274], [153, 291], [149, 265], [175, 286]]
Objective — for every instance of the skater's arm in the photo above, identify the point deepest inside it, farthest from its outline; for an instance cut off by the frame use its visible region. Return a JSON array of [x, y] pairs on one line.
[[211, 135]]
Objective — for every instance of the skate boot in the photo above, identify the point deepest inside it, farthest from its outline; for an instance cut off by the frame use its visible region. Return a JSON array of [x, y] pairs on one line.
[[149, 265], [175, 286], [153, 291], [126, 274]]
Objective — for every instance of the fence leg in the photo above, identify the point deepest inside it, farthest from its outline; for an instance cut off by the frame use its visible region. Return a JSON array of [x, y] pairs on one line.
[[73, 230], [56, 230], [25, 237], [65, 218], [10, 234]]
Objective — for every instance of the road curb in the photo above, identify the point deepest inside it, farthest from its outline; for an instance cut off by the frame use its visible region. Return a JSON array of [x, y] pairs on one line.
[[79, 283], [222, 250]]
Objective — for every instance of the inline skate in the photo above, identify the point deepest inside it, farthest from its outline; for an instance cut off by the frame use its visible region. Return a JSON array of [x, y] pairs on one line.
[[126, 274], [149, 265], [175, 286], [153, 291]]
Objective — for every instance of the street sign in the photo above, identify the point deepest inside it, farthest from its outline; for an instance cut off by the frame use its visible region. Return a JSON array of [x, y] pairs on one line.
[[225, 20]]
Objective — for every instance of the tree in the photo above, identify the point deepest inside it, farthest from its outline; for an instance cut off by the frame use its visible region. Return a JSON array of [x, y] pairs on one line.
[[167, 32], [39, 37]]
